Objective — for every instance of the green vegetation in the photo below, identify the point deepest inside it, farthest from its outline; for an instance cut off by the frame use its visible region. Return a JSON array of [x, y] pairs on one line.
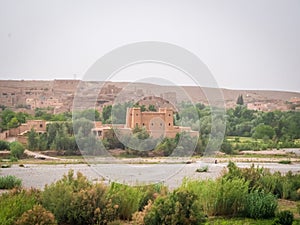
[[260, 205], [16, 149], [9, 182], [245, 130], [4, 145], [285, 162], [202, 169], [240, 100], [178, 207], [285, 217], [240, 196], [13, 204], [10, 119]]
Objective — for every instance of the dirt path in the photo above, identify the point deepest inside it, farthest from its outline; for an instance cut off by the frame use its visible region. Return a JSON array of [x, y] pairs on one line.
[[40, 156]]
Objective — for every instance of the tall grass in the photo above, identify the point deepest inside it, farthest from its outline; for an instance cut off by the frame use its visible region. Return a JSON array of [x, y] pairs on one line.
[[127, 199], [130, 199], [9, 182], [219, 197]]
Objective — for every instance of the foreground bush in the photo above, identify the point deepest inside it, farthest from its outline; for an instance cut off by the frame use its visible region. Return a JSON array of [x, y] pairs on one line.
[[285, 217], [179, 207], [15, 203], [260, 205], [37, 216], [220, 197], [9, 182], [77, 201], [128, 199], [283, 186]]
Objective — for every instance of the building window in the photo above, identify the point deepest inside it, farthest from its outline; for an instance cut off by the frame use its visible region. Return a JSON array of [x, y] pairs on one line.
[[41, 125], [169, 124], [136, 114], [161, 124], [169, 114], [151, 124], [143, 124]]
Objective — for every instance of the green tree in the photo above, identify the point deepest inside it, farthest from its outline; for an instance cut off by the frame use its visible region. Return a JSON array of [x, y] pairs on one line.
[[240, 100], [106, 114], [262, 131], [143, 108], [6, 117], [4, 145], [16, 149], [32, 140], [152, 108], [13, 123], [90, 114], [83, 125], [226, 147]]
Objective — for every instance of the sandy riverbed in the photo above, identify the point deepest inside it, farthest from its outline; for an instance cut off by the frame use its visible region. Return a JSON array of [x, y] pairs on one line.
[[38, 175]]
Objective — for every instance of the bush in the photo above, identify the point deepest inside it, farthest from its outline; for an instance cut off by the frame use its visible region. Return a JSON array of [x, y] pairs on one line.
[[126, 198], [202, 169], [226, 147], [231, 196], [285, 217], [179, 207], [138, 217], [4, 145], [76, 201], [15, 203], [219, 197], [260, 205], [9, 182], [16, 149], [37, 215], [89, 206], [285, 162]]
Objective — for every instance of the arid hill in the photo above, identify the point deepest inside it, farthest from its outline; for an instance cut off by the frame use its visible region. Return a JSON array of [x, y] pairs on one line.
[[59, 94]]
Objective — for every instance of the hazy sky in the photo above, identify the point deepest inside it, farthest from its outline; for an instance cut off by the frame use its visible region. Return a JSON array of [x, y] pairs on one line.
[[246, 44]]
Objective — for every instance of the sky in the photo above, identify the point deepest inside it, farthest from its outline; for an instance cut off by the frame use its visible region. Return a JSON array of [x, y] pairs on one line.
[[245, 44]]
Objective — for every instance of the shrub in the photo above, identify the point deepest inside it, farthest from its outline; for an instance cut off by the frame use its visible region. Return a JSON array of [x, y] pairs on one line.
[[15, 203], [285, 217], [9, 182], [151, 192], [179, 207], [89, 206], [202, 169], [76, 201], [260, 205], [127, 199], [138, 217], [16, 149], [252, 174], [57, 197], [4, 145], [219, 197], [37, 215], [285, 162], [231, 196]]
